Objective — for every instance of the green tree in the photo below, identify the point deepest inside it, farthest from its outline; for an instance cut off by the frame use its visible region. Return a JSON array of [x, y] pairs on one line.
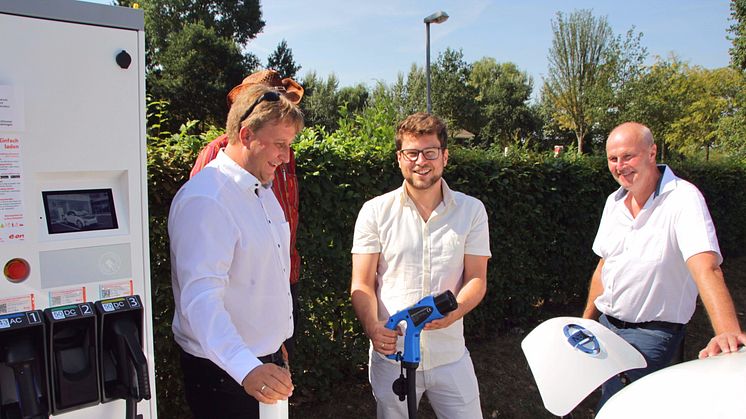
[[319, 103], [452, 96], [353, 98], [238, 20], [199, 68], [503, 93], [411, 92], [624, 65], [204, 38], [738, 31], [715, 95], [732, 130], [403, 97], [657, 98], [282, 60], [577, 76]]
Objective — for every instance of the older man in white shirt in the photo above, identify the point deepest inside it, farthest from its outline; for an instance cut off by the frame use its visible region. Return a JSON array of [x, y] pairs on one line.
[[418, 240], [230, 264], [658, 250]]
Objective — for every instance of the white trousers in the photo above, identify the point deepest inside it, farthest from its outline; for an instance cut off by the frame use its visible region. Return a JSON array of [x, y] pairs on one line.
[[452, 389]]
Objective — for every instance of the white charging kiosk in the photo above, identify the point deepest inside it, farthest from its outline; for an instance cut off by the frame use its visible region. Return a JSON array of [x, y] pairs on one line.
[[75, 290]]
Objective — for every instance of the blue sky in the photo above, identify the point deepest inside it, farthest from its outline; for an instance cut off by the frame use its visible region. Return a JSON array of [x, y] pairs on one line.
[[370, 41]]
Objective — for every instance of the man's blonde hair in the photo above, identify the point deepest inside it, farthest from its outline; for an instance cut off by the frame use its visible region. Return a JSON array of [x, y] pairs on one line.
[[266, 111]]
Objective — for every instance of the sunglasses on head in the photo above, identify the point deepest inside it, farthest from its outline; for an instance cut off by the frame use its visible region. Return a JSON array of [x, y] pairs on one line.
[[268, 96]]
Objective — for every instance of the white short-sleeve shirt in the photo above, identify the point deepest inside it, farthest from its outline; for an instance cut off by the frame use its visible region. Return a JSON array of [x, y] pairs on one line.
[[419, 258], [645, 276]]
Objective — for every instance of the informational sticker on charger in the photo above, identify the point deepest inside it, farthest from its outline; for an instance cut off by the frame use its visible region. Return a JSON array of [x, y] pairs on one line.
[[116, 289], [17, 303], [12, 224], [67, 296], [11, 108]]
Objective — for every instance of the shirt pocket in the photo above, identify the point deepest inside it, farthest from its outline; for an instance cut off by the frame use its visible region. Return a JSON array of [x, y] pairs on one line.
[[648, 245], [449, 250]]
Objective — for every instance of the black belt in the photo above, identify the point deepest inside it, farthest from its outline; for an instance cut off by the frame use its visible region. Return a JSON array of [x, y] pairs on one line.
[[275, 358], [621, 324]]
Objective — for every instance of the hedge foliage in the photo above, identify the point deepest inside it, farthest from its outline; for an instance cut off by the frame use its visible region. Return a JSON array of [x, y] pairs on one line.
[[543, 215]]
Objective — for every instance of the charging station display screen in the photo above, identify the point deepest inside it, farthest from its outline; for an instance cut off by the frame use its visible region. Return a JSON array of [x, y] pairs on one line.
[[79, 210]]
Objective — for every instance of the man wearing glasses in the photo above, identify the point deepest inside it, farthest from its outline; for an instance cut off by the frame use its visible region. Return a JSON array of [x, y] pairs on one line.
[[418, 240], [230, 263]]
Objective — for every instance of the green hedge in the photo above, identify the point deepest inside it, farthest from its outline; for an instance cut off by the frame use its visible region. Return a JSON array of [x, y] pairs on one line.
[[543, 215]]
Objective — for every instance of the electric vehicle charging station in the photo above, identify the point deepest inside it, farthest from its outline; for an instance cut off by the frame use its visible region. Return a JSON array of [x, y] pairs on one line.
[[76, 335]]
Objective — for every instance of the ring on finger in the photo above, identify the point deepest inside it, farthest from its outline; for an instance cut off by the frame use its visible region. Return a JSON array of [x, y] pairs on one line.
[[261, 390]]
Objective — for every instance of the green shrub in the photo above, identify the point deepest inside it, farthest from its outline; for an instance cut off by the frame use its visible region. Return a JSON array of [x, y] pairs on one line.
[[543, 215], [170, 158]]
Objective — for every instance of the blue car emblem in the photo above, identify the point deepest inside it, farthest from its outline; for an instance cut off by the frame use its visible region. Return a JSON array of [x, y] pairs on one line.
[[582, 339]]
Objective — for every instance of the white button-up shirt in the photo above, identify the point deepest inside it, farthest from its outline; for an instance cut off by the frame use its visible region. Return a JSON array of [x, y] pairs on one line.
[[645, 276], [230, 267], [419, 258]]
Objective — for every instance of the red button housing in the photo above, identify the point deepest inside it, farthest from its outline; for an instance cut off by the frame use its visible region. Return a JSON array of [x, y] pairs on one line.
[[17, 270]]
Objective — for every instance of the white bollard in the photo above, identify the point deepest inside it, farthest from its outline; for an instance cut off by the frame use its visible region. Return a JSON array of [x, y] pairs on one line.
[[278, 410]]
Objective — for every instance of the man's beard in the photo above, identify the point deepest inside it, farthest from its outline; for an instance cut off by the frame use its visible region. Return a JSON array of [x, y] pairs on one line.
[[424, 183]]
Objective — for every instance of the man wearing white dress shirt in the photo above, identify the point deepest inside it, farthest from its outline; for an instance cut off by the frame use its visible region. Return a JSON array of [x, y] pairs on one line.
[[658, 250], [230, 264], [421, 239]]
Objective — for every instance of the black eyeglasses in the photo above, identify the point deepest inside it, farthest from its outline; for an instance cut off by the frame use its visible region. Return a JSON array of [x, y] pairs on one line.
[[268, 96], [411, 154]]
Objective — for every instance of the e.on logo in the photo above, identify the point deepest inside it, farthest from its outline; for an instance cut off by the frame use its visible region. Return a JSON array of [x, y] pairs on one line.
[[16, 236]]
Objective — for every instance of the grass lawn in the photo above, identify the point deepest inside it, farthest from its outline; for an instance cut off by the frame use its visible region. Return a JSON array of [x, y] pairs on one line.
[[507, 387]]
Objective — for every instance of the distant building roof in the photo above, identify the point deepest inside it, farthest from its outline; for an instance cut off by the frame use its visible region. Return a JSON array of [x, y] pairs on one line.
[[463, 134]]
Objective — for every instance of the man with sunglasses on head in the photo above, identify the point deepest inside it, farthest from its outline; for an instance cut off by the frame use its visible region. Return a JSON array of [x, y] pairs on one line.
[[230, 262], [421, 239], [284, 185]]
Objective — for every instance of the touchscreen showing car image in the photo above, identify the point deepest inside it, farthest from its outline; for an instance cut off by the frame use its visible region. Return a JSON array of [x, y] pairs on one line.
[[79, 210]]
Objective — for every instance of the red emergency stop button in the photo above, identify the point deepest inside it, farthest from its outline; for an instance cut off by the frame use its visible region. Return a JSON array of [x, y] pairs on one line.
[[16, 270]]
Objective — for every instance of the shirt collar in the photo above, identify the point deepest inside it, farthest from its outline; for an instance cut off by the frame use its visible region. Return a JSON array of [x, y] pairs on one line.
[[448, 198], [666, 183], [244, 179]]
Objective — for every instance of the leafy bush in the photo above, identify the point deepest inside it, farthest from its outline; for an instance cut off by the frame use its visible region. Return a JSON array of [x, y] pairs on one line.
[[543, 215], [170, 158]]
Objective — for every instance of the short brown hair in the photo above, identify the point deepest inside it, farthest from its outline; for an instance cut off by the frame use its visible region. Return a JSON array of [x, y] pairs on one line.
[[422, 123], [265, 112]]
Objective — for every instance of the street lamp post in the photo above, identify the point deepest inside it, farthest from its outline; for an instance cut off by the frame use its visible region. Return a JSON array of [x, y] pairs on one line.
[[437, 17]]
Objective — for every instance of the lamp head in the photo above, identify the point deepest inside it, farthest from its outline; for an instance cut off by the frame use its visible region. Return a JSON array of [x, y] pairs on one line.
[[437, 17]]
